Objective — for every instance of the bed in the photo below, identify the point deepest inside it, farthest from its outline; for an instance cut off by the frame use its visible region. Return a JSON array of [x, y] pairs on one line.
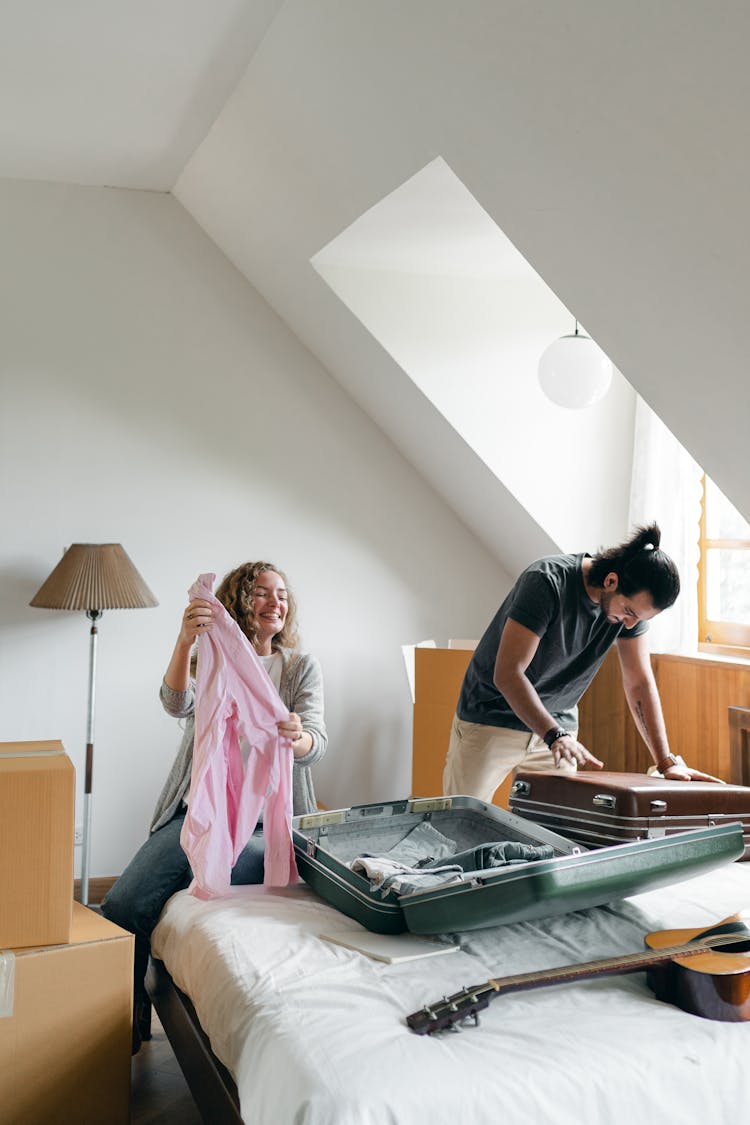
[[308, 1032]]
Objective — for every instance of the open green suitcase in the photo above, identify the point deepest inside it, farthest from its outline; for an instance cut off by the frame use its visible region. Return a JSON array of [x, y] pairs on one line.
[[575, 879]]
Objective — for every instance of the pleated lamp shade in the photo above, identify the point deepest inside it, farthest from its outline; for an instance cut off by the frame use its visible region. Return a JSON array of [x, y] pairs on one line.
[[94, 576]]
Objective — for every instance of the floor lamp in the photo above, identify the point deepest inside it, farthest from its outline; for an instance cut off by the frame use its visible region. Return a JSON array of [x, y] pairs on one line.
[[92, 577]]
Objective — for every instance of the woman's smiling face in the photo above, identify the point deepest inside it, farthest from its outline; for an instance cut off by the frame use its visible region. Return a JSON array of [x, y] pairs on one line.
[[270, 605]]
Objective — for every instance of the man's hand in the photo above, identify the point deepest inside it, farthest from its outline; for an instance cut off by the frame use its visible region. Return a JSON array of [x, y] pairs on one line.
[[682, 772], [568, 749]]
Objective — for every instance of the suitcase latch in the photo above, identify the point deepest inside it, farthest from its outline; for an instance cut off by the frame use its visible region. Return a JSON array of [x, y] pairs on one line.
[[430, 804], [310, 847], [658, 806], [520, 789], [604, 800]]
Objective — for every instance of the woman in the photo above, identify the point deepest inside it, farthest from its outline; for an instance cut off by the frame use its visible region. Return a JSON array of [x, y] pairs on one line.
[[257, 597]]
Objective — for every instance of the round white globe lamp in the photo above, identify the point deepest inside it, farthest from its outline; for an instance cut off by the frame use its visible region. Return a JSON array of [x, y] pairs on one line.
[[574, 371]]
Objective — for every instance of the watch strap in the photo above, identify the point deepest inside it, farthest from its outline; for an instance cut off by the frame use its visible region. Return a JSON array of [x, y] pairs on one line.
[[668, 761]]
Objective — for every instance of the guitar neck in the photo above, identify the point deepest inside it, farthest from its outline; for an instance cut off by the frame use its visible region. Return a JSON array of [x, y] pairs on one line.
[[610, 966], [470, 1001]]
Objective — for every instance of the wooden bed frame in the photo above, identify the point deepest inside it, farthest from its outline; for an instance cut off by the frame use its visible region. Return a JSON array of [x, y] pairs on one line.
[[211, 1084]]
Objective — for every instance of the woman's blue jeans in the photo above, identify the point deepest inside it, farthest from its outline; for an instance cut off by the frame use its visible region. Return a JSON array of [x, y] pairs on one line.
[[158, 870]]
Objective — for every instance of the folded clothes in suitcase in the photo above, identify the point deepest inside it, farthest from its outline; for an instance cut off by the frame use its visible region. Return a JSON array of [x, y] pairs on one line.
[[598, 808], [478, 893]]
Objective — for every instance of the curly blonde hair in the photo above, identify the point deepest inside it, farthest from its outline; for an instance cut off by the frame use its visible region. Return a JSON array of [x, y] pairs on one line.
[[236, 591]]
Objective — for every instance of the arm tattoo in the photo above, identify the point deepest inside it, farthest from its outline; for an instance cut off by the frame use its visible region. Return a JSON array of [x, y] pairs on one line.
[[640, 719]]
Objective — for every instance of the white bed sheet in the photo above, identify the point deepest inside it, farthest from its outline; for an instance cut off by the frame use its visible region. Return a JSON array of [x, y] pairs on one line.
[[314, 1034]]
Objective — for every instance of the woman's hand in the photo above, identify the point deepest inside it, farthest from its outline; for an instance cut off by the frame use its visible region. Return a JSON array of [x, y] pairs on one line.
[[292, 728], [196, 619], [301, 739]]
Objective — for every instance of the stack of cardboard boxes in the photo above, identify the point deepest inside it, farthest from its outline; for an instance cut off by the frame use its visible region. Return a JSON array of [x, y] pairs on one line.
[[65, 972], [438, 675]]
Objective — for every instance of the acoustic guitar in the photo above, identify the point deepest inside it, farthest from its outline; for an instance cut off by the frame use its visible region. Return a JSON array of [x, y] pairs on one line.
[[706, 972]]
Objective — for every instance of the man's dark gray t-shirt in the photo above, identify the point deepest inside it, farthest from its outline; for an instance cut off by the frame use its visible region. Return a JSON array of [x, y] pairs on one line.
[[574, 634]]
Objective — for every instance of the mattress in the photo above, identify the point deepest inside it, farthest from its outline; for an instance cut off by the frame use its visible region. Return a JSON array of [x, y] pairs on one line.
[[314, 1033]]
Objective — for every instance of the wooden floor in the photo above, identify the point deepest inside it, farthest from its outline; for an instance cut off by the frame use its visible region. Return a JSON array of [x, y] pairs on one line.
[[159, 1093]]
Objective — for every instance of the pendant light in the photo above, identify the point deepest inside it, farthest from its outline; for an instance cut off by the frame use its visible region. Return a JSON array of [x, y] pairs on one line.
[[574, 371]]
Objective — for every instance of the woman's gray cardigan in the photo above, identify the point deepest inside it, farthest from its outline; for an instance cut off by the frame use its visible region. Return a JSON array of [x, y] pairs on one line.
[[301, 689]]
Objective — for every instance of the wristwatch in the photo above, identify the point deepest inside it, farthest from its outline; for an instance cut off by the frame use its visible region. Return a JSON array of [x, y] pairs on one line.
[[554, 733], [668, 761]]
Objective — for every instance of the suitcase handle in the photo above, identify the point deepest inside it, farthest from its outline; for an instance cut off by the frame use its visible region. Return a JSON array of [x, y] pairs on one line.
[[604, 800]]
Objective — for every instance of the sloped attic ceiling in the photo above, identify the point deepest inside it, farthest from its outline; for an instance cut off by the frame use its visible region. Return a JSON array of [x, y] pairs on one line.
[[466, 318], [602, 139], [117, 92]]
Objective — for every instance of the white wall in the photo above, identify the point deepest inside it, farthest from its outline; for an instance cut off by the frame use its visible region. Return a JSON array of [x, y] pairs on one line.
[[151, 397]]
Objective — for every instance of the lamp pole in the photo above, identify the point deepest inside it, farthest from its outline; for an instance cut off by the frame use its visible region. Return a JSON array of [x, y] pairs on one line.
[[93, 615], [92, 577]]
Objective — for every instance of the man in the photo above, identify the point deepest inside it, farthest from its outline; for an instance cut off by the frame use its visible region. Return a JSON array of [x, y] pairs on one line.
[[519, 699]]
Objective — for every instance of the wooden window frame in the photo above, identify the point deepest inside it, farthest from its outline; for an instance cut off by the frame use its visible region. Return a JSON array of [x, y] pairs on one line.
[[717, 636]]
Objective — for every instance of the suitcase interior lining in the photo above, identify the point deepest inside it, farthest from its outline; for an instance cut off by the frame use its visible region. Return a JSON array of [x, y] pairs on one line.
[[467, 828]]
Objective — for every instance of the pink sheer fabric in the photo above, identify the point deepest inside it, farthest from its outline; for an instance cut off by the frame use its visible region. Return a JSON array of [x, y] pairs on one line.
[[235, 699]]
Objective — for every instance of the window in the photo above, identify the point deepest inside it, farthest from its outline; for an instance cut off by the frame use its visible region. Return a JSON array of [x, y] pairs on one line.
[[724, 572]]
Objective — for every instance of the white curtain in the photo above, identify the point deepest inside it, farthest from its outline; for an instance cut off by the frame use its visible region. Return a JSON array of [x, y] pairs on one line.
[[666, 487]]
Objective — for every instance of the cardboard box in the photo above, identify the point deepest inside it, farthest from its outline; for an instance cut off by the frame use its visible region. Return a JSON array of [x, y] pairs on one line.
[[65, 1037], [37, 826], [438, 675]]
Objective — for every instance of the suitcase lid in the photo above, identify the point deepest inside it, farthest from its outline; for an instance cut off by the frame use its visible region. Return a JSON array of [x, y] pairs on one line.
[[567, 883]]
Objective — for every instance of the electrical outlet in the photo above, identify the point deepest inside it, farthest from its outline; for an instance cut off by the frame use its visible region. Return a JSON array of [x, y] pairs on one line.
[[78, 835]]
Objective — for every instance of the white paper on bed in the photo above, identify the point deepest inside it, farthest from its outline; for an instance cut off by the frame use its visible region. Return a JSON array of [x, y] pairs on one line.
[[314, 1034], [391, 948]]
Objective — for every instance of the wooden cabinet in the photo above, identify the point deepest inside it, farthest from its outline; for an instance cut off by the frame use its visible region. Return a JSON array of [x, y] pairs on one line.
[[696, 694]]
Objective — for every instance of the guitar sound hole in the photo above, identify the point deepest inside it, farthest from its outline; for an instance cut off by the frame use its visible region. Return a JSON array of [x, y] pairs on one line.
[[737, 933], [739, 947]]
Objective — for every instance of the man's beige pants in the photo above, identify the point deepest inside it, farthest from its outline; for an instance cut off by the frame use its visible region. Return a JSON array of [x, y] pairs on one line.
[[481, 757]]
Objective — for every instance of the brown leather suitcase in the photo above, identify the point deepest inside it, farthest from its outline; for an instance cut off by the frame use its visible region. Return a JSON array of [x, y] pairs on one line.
[[598, 808]]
